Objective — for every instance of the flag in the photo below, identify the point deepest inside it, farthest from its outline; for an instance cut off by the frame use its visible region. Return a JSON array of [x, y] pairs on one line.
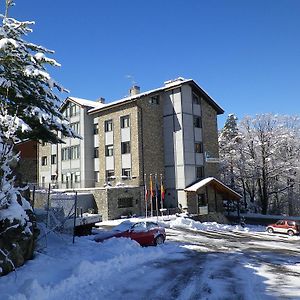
[[162, 191], [151, 187], [156, 186]]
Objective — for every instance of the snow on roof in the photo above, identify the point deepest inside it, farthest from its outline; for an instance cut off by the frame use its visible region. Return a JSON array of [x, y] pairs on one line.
[[168, 84], [195, 187], [85, 102]]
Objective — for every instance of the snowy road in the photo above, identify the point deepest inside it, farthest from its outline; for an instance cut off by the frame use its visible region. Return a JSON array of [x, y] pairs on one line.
[[192, 264]]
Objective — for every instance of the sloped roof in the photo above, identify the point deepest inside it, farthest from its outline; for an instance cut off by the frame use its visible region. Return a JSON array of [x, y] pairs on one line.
[[218, 185], [168, 84], [83, 102]]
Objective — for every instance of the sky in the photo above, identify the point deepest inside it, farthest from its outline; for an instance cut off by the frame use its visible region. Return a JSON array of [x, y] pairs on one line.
[[244, 53]]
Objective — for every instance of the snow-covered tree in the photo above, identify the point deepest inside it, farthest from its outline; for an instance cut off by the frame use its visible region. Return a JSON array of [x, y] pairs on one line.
[[266, 161], [27, 91], [29, 108]]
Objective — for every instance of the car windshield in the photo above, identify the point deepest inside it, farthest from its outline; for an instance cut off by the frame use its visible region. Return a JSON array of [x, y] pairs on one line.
[[280, 222], [151, 225], [123, 226], [139, 227]]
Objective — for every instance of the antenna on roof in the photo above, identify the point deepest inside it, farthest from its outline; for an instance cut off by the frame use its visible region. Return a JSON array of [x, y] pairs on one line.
[[130, 77]]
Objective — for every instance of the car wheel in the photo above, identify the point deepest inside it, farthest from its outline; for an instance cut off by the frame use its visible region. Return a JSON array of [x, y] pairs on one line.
[[270, 230], [290, 232], [159, 240]]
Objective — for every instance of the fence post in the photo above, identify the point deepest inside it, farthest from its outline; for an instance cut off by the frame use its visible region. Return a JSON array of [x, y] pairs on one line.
[[48, 205], [75, 210]]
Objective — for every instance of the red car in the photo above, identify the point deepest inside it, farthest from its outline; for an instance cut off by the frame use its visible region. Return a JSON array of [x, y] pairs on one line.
[[146, 233], [284, 226]]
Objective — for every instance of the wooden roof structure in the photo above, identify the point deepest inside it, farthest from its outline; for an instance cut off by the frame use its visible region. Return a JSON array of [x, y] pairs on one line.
[[220, 187]]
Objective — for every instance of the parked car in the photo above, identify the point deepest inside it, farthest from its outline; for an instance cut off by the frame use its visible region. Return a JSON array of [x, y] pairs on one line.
[[146, 233], [284, 226]]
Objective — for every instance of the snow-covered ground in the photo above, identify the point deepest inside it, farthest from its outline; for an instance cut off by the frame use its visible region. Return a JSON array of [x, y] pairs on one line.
[[198, 261]]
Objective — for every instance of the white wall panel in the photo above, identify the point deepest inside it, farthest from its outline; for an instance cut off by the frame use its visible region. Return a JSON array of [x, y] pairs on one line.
[[109, 163], [126, 161], [167, 102], [125, 134], [186, 94], [198, 134], [197, 109], [180, 177], [190, 175], [96, 164], [177, 101], [109, 138]]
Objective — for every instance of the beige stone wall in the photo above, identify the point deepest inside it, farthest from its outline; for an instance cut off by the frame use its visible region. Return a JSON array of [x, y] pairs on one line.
[[115, 114], [210, 138], [151, 138], [44, 151]]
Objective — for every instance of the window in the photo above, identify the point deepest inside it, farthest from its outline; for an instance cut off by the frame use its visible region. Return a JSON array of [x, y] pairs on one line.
[[110, 174], [199, 172], [154, 99], [75, 127], [201, 200], [63, 178], [70, 153], [65, 153], [197, 122], [125, 122], [44, 160], [198, 147], [77, 177], [108, 125], [109, 150], [97, 176], [43, 181], [125, 147], [44, 143], [125, 202], [53, 159], [126, 173], [53, 177], [96, 128], [73, 109], [196, 99], [74, 152], [96, 152]]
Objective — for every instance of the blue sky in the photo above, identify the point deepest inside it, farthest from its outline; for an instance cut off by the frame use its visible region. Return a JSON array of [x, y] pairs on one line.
[[245, 54]]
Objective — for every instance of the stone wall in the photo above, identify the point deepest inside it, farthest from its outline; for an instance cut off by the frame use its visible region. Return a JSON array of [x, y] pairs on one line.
[[210, 138]]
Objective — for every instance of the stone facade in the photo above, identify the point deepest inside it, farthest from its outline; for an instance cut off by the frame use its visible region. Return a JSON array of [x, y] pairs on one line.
[[210, 138]]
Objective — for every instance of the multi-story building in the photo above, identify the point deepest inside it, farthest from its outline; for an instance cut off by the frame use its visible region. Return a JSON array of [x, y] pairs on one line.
[[166, 132]]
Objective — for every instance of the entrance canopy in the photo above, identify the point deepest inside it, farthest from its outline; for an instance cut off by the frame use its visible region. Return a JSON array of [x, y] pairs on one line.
[[221, 188]]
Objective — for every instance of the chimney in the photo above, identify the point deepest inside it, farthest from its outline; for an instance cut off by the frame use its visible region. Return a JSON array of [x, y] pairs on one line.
[[101, 100], [134, 90]]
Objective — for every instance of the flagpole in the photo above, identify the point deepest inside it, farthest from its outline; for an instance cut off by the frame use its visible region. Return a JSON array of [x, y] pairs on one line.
[[156, 196], [151, 195], [162, 194], [146, 196]]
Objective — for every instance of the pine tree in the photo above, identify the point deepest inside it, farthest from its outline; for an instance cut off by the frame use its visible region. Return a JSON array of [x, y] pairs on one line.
[[27, 91]]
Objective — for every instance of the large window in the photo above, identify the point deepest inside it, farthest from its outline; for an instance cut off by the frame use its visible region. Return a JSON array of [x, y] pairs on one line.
[[125, 147], [125, 202], [199, 147], [109, 150], [199, 172], [65, 153], [108, 125], [197, 122], [75, 127], [75, 152], [70, 153], [125, 121], [73, 109], [44, 160]]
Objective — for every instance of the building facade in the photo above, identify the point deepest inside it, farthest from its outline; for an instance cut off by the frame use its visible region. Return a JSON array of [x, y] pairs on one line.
[[167, 133]]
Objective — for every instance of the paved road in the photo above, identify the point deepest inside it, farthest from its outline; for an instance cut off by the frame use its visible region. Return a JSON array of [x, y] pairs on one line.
[[232, 265]]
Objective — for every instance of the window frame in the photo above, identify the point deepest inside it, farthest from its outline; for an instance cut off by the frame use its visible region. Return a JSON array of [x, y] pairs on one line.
[[109, 150], [44, 160], [125, 121], [125, 147], [108, 125]]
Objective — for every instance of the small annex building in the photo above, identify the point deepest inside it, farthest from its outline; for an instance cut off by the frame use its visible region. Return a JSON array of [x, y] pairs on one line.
[[207, 196]]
